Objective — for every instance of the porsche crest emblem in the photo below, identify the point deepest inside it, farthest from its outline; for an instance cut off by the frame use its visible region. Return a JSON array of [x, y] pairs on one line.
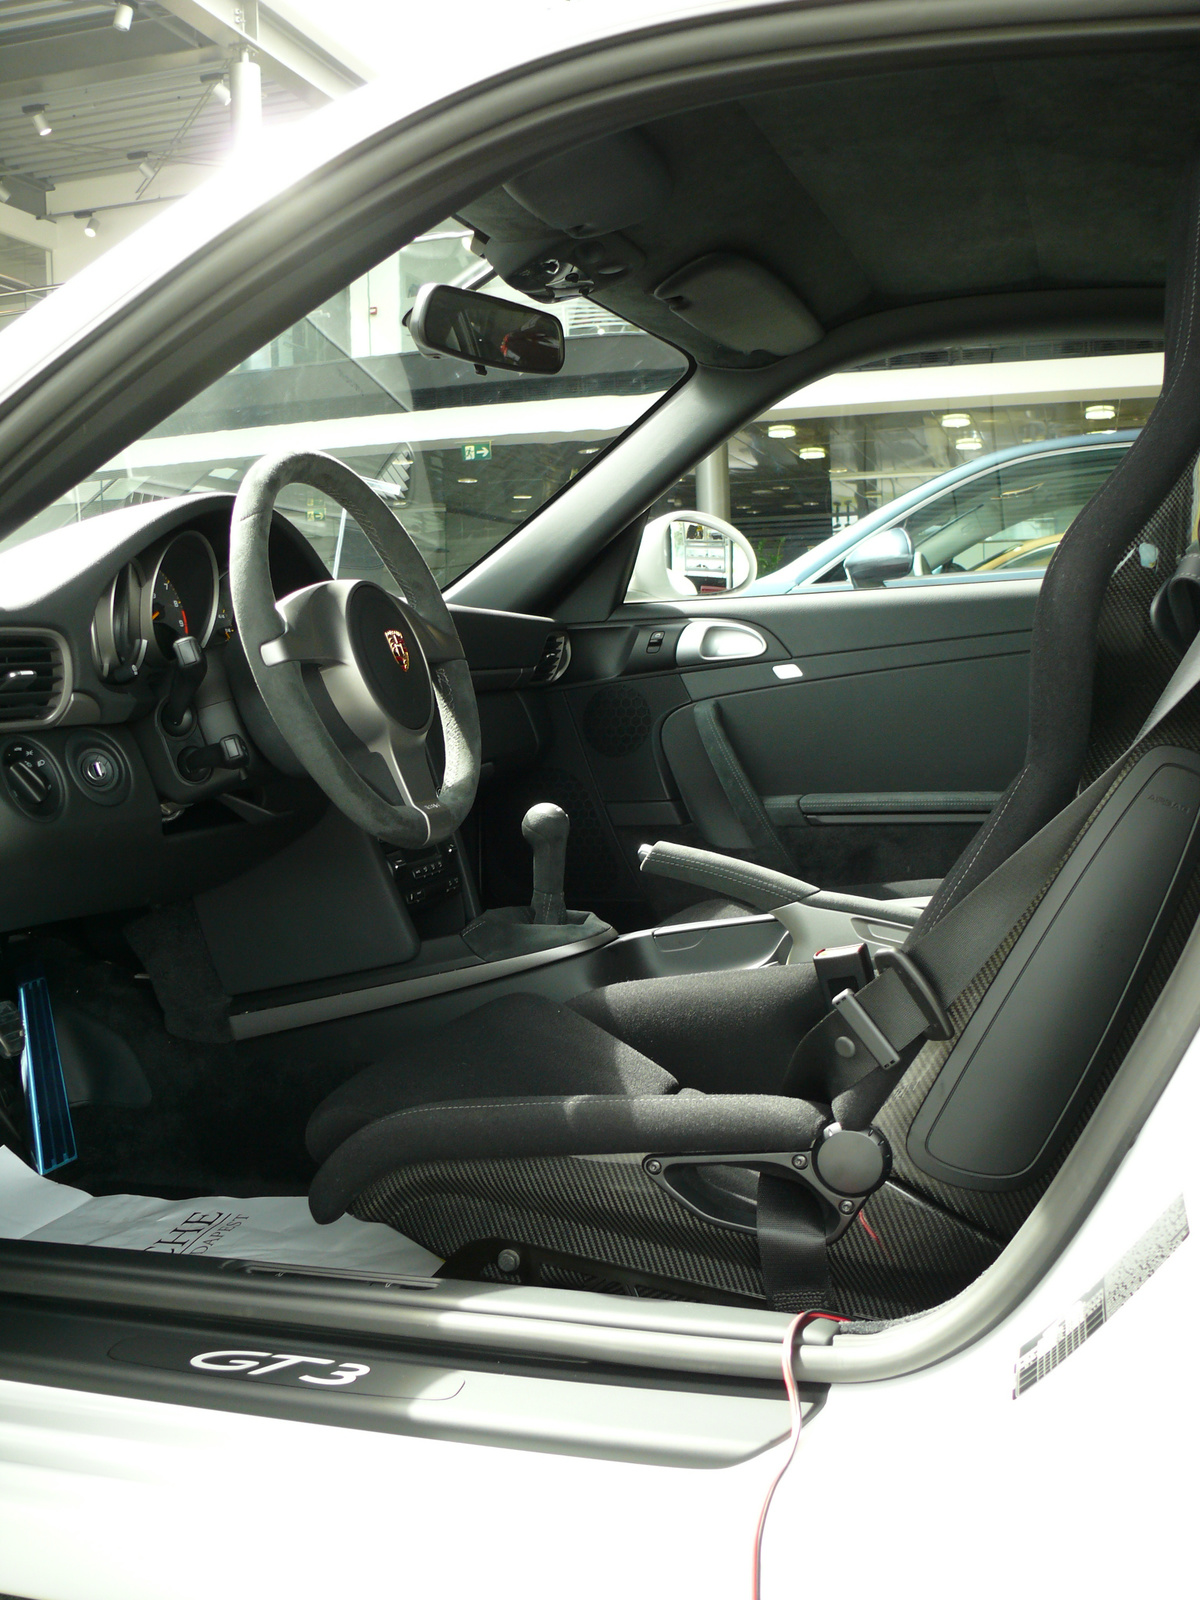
[[396, 644]]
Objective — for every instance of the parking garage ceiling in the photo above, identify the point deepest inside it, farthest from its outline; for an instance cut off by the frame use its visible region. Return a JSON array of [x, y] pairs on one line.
[[154, 88]]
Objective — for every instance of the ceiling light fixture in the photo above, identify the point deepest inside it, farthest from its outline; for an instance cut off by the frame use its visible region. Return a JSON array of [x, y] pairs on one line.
[[122, 18], [812, 452], [968, 443], [468, 480], [220, 89], [37, 115], [590, 451], [1100, 413], [956, 419], [781, 430], [5, 193], [141, 159], [89, 223], [522, 497]]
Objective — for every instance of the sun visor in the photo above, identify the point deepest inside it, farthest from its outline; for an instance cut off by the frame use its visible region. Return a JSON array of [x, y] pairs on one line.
[[598, 188], [741, 305]]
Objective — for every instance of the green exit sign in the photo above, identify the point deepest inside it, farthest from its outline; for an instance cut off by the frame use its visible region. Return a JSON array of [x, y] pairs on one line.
[[480, 451]]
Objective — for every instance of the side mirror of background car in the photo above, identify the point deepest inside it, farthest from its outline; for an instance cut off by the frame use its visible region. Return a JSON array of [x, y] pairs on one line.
[[691, 554], [485, 330], [886, 554]]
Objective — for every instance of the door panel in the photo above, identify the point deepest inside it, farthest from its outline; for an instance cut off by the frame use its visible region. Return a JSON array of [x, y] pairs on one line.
[[877, 761], [876, 764]]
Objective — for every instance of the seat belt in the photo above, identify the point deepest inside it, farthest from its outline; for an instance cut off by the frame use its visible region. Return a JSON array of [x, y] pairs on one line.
[[883, 1026]]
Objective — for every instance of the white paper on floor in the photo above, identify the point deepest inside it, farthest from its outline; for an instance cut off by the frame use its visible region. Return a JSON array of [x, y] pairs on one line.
[[275, 1228]]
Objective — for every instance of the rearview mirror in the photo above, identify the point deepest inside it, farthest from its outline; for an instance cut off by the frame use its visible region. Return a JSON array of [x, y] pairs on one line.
[[484, 330], [691, 555], [885, 555]]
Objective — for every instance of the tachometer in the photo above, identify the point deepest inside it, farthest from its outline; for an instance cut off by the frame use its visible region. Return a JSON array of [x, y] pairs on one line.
[[180, 594], [168, 614]]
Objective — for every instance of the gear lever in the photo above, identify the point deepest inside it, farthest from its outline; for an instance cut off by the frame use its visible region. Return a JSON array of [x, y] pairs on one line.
[[545, 828]]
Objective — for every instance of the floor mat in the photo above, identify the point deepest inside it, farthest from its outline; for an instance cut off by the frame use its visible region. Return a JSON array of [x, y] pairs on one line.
[[216, 1118], [274, 1228]]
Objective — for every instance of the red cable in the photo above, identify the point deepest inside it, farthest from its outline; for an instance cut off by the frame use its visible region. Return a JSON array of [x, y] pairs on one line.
[[862, 1217], [795, 1328]]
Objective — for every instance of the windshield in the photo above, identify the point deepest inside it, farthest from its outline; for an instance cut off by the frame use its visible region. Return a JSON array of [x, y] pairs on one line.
[[462, 458]]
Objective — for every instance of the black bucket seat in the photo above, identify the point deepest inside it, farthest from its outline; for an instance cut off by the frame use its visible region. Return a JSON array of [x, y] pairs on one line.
[[735, 1136]]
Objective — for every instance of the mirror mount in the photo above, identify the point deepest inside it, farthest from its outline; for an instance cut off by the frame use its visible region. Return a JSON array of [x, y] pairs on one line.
[[485, 331]]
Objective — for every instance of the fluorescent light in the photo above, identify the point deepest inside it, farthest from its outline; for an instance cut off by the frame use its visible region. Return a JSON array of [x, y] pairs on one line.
[[591, 451], [781, 430], [968, 443], [468, 480], [956, 419], [812, 452], [37, 115], [1100, 413], [522, 497], [122, 18]]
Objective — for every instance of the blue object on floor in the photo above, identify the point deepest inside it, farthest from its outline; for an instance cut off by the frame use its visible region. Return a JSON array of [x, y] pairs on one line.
[[51, 1133]]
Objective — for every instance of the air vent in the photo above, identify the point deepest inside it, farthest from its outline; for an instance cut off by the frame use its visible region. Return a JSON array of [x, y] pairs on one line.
[[33, 678], [556, 653]]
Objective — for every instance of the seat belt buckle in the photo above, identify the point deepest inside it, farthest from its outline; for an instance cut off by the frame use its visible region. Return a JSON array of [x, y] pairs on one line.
[[842, 968]]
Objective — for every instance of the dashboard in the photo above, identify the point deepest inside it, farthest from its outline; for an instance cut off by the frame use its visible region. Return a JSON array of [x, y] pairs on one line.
[[108, 799]]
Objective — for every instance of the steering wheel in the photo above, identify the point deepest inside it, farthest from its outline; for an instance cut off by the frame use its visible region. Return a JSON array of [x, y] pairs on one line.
[[352, 675]]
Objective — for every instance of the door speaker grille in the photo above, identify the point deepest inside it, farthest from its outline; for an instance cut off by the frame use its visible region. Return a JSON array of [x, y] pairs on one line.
[[617, 720]]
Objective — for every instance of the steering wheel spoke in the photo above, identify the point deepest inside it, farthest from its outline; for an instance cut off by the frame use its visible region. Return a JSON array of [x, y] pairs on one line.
[[314, 631], [407, 760]]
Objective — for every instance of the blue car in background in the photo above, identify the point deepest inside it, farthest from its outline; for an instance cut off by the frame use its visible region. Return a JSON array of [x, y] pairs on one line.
[[1001, 515]]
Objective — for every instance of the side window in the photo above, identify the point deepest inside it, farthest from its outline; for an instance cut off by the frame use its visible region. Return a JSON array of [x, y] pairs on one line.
[[983, 455]]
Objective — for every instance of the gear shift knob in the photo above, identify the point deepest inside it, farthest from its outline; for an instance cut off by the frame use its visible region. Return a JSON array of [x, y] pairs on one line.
[[545, 828]]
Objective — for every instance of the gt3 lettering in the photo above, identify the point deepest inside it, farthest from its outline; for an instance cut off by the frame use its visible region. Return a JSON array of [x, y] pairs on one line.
[[258, 1363]]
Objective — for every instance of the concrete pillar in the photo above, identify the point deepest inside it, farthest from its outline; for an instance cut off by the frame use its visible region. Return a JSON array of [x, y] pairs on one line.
[[712, 483]]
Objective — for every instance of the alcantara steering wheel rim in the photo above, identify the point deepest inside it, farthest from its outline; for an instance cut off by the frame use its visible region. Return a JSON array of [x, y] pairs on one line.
[[380, 667]]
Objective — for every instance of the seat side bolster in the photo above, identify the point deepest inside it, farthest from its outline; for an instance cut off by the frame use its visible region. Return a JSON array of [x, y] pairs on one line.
[[551, 1125]]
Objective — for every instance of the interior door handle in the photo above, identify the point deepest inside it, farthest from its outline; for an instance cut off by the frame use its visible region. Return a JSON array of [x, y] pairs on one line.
[[718, 639]]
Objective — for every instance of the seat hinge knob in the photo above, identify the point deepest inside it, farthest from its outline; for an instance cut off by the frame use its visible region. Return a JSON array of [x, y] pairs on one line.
[[852, 1163]]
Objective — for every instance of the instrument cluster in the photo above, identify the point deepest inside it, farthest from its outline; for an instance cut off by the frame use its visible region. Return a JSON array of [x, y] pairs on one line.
[[172, 591]]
